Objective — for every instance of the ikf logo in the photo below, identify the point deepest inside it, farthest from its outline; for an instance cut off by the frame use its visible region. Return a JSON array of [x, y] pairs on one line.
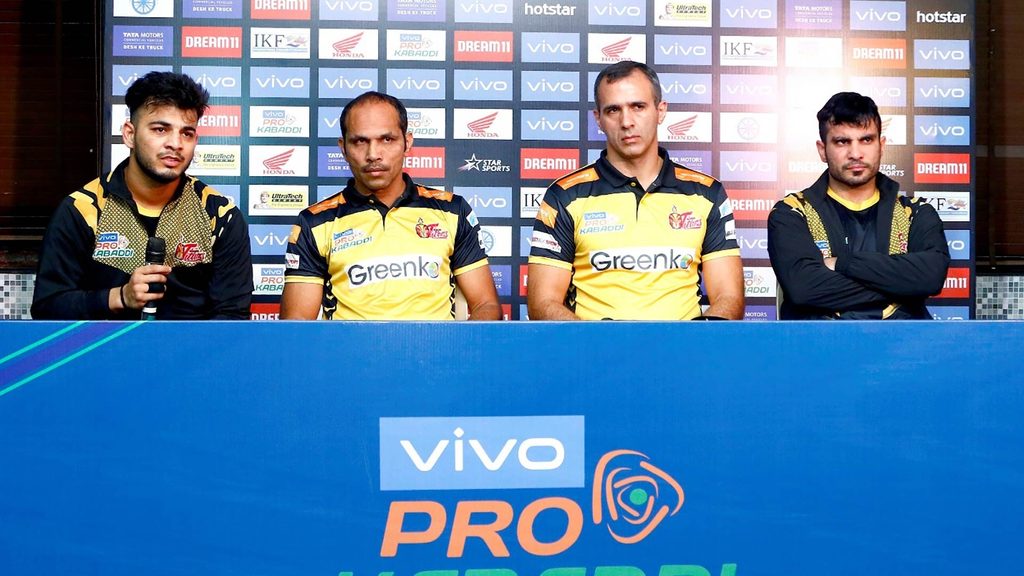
[[219, 81], [279, 43], [347, 44], [425, 162], [884, 90], [545, 47], [488, 202], [748, 14], [875, 15], [759, 89], [942, 168], [549, 86], [629, 499], [942, 54], [686, 88], [611, 48], [550, 125], [414, 83], [346, 83], [682, 50], [749, 50], [942, 92], [144, 8], [482, 124], [617, 13], [484, 11], [124, 76], [360, 10], [278, 82], [483, 84], [530, 198], [951, 206], [942, 130]]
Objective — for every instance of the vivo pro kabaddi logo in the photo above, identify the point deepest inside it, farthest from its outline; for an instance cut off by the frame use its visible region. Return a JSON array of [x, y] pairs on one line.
[[630, 496]]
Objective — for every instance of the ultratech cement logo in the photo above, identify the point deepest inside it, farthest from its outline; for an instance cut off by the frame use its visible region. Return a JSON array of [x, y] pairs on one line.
[[630, 496], [683, 13]]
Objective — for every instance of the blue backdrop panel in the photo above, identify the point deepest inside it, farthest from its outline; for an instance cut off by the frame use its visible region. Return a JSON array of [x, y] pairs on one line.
[[224, 448]]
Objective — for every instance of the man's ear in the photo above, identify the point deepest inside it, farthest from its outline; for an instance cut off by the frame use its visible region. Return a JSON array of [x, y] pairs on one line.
[[128, 134]]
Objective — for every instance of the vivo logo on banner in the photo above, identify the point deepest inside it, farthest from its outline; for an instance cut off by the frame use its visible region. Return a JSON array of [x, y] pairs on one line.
[[124, 76], [420, 84], [550, 86], [328, 122], [484, 11], [483, 85], [942, 54], [268, 239], [278, 82], [452, 453], [617, 13], [959, 242], [748, 166], [686, 88], [749, 13], [487, 202], [758, 89], [544, 47], [346, 82], [594, 133], [682, 50], [942, 130], [950, 312], [550, 125], [223, 81], [884, 90], [942, 92], [874, 15], [364, 10], [753, 243]]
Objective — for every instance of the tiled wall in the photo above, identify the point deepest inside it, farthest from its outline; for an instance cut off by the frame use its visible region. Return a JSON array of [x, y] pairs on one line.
[[999, 297]]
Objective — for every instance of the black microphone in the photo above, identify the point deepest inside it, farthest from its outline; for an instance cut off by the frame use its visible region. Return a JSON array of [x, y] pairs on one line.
[[156, 251]]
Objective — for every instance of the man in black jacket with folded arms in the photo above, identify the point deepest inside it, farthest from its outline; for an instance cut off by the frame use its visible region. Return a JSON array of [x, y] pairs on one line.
[[850, 247]]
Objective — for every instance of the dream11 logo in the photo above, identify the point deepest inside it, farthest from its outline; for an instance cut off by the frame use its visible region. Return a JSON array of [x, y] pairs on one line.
[[629, 497]]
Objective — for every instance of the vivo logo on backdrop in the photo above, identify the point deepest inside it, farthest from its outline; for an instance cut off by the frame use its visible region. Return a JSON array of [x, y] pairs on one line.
[[686, 88], [550, 125], [682, 50], [758, 89], [346, 82], [484, 11], [328, 123], [873, 15], [417, 84], [749, 14], [959, 242], [942, 54], [124, 76], [561, 48], [364, 10], [550, 86], [617, 13], [942, 92], [219, 81], [942, 130], [483, 85], [748, 166], [884, 90], [278, 82], [487, 202]]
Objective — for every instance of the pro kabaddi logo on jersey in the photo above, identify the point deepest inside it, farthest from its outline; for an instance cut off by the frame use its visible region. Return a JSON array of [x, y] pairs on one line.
[[683, 221], [431, 231], [349, 239], [112, 245], [600, 222]]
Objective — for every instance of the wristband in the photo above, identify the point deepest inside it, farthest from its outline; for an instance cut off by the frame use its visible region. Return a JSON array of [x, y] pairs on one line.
[[120, 292]]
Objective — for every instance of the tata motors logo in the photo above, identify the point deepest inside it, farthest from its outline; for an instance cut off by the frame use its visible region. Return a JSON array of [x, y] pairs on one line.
[[143, 41], [631, 496], [814, 14]]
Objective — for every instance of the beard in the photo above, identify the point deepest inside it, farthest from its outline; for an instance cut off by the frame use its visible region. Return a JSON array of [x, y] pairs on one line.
[[159, 173]]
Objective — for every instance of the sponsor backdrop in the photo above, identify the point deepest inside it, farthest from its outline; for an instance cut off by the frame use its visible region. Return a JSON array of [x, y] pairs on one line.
[[619, 461], [500, 93]]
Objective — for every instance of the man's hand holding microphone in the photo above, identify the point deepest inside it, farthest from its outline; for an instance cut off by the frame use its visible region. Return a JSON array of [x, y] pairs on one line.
[[147, 283]]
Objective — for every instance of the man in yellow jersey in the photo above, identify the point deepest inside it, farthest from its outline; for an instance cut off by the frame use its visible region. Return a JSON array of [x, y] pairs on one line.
[[850, 246], [630, 236], [93, 264], [385, 248]]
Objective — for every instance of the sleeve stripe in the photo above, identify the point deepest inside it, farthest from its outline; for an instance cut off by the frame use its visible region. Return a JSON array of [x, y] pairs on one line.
[[289, 279], [720, 254], [550, 262], [468, 267]]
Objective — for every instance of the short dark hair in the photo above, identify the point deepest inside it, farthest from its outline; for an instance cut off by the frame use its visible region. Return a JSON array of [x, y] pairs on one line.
[[848, 108], [625, 68], [403, 115], [167, 88]]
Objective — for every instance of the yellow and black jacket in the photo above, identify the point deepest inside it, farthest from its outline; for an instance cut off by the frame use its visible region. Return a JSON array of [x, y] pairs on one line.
[[97, 237], [381, 263], [633, 254], [901, 262]]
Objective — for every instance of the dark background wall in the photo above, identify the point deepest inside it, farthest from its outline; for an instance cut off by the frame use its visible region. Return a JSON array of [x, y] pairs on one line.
[[50, 121]]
